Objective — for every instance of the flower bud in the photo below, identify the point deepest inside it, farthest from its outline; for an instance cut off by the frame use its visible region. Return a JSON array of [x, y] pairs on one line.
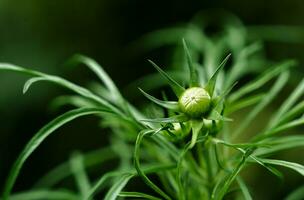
[[195, 102]]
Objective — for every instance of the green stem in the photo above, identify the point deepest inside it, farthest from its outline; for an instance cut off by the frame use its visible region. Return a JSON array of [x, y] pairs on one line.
[[206, 154]]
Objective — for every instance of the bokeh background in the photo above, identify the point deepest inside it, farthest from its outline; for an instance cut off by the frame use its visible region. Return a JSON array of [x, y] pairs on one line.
[[43, 34]]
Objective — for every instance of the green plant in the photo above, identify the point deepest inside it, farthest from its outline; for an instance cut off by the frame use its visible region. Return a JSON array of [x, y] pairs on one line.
[[191, 143]]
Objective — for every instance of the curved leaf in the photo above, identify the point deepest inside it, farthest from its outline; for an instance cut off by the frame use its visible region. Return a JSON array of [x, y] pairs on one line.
[[194, 81], [177, 88], [38, 138], [166, 104], [212, 81]]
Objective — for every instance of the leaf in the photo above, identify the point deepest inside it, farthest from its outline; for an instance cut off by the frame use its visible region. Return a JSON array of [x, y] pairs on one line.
[[279, 144], [166, 104], [193, 73], [44, 194], [212, 81], [80, 175], [74, 100], [291, 165], [244, 188], [173, 119], [138, 167], [177, 88], [29, 82], [138, 195], [277, 86], [260, 81], [242, 62], [294, 112], [114, 191], [288, 103], [38, 138], [284, 127], [243, 103], [222, 96], [222, 187], [59, 81], [63, 170], [297, 194], [119, 173], [100, 72]]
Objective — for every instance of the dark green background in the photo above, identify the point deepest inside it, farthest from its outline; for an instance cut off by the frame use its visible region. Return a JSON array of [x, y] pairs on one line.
[[43, 34]]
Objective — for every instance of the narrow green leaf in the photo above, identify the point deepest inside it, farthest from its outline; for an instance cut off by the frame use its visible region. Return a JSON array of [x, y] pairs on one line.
[[177, 88], [138, 195], [293, 113], [292, 124], [38, 138], [244, 188], [148, 169], [100, 72], [277, 86], [196, 129], [194, 81], [240, 66], [212, 81], [260, 81], [227, 91], [59, 81], [74, 100], [81, 178], [288, 103], [243, 103], [138, 168], [173, 119], [279, 144], [291, 165], [29, 82], [166, 104], [63, 170], [114, 191], [221, 189]]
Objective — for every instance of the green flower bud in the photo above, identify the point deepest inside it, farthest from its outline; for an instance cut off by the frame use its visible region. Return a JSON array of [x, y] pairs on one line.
[[195, 102]]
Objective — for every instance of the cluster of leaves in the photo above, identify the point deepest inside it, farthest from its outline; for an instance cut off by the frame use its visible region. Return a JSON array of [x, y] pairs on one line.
[[182, 152]]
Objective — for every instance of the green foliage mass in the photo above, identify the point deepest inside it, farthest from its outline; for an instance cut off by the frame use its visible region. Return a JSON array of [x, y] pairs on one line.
[[197, 157]]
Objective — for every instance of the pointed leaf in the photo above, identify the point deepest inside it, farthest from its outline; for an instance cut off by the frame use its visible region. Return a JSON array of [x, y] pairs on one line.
[[38, 138], [140, 172], [166, 104], [291, 165], [193, 73], [261, 80], [212, 81], [173, 119], [288, 103], [177, 88], [277, 86], [62, 82], [100, 72], [138, 195], [80, 175], [113, 193]]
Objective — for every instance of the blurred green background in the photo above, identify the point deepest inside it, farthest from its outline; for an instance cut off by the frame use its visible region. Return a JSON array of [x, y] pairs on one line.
[[43, 34]]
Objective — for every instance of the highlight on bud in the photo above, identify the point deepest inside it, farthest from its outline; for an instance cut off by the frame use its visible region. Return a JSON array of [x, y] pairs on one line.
[[195, 102]]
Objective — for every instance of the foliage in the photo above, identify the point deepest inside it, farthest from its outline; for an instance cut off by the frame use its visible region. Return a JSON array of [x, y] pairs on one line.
[[183, 151]]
